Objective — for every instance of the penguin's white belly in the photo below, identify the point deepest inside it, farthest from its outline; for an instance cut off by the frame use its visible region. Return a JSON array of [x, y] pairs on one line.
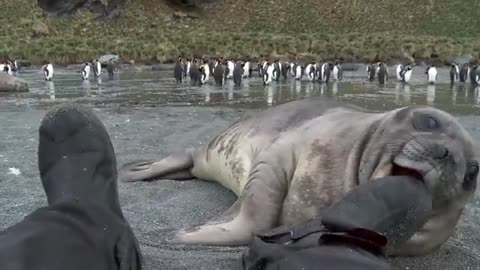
[[335, 73], [398, 72], [408, 75], [206, 75], [432, 75], [269, 75], [50, 72], [298, 74], [246, 69], [231, 66], [86, 73]]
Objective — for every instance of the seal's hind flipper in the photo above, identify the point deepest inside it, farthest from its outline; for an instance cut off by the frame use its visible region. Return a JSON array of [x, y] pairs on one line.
[[175, 167]]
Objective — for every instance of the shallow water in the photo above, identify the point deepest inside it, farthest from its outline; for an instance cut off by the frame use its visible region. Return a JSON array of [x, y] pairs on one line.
[[157, 88], [148, 116]]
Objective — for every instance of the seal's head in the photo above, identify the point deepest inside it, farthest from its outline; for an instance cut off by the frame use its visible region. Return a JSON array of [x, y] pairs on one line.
[[430, 145]]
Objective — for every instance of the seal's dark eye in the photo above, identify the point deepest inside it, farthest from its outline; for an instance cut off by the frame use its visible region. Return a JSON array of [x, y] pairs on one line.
[[471, 174], [425, 122], [472, 169]]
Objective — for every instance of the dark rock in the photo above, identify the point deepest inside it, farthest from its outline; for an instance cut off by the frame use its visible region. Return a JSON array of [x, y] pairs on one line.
[[75, 67], [125, 66], [104, 59], [163, 67], [68, 7], [9, 83]]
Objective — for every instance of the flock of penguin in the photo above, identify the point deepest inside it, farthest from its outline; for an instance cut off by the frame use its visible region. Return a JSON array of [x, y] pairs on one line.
[[268, 71], [10, 67], [404, 73], [200, 71]]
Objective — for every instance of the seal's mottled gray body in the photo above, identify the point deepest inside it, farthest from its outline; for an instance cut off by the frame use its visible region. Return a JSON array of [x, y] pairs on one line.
[[288, 163]]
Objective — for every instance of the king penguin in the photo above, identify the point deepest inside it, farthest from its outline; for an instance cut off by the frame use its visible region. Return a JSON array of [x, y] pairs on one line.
[[205, 72], [111, 69], [406, 74], [382, 73], [463, 74], [474, 75], [238, 74], [195, 75], [48, 71], [15, 66], [211, 65], [293, 67], [325, 72], [218, 74], [268, 73], [86, 71], [97, 69], [178, 70], [454, 73], [262, 67], [247, 69], [277, 71], [285, 68], [298, 72], [398, 71], [229, 71], [431, 74], [310, 71], [186, 70], [371, 72], [337, 71]]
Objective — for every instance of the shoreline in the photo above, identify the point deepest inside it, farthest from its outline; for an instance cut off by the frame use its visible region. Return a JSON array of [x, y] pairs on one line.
[[168, 66]]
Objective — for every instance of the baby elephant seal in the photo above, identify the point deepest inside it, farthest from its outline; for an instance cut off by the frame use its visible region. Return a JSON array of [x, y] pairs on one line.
[[83, 226], [288, 163], [354, 233]]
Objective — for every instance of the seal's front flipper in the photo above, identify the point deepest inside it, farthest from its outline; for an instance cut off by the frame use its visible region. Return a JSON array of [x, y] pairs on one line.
[[257, 209], [175, 167], [396, 206]]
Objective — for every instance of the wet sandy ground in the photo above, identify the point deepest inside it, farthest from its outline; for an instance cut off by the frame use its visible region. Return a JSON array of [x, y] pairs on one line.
[[147, 130]]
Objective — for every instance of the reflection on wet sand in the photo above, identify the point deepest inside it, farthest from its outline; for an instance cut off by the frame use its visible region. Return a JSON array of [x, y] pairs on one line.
[[269, 89], [335, 88], [430, 94], [207, 91], [454, 94], [406, 93], [50, 85], [298, 87], [397, 94]]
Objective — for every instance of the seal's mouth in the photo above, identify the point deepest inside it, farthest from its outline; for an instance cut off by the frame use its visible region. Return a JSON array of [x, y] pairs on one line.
[[399, 170]]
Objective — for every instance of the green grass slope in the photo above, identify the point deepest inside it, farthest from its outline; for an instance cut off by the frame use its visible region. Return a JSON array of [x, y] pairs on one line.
[[152, 30]]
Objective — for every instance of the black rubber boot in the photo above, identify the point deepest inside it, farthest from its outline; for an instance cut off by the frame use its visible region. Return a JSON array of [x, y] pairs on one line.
[[76, 158], [83, 226]]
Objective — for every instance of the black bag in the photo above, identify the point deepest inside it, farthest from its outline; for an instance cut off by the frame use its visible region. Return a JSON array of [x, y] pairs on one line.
[[347, 237]]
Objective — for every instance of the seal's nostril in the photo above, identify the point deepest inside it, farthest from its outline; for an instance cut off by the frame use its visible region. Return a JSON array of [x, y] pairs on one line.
[[445, 154]]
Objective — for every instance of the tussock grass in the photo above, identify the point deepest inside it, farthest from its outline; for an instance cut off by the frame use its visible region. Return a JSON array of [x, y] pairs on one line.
[[355, 30]]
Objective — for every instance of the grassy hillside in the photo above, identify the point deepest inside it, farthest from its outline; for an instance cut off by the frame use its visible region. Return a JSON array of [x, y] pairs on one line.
[[151, 30]]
